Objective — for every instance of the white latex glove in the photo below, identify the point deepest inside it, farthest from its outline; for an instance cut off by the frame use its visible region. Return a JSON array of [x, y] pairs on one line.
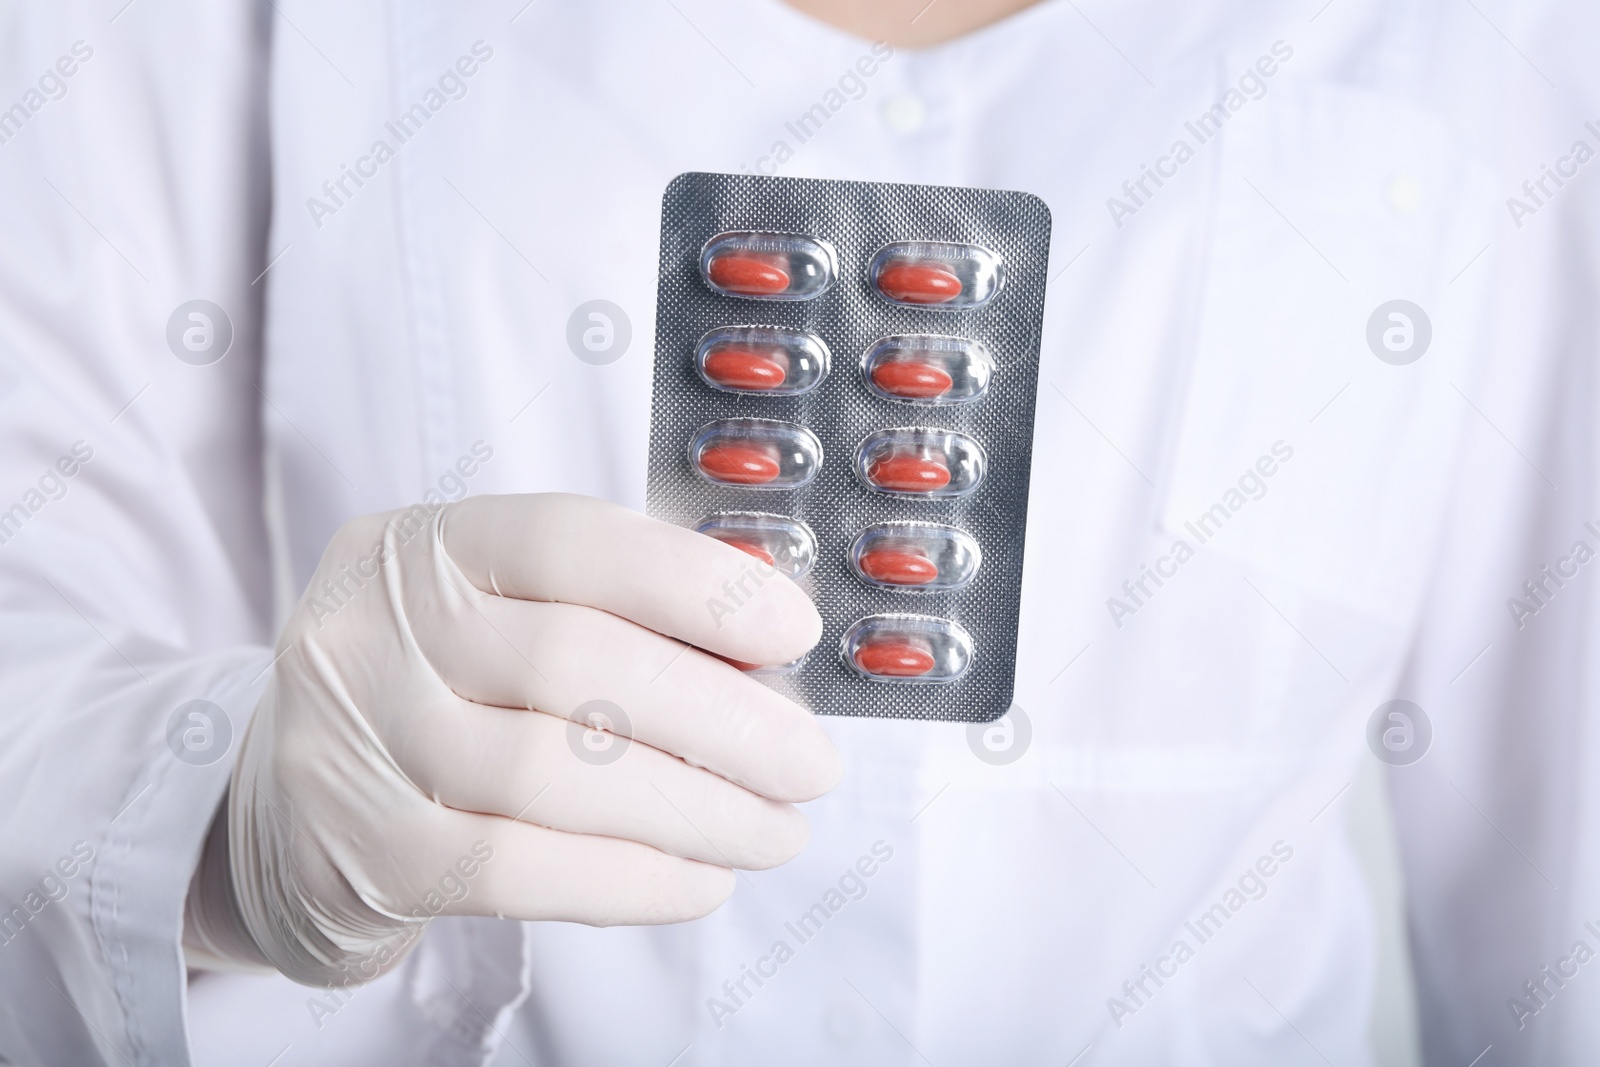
[[412, 755]]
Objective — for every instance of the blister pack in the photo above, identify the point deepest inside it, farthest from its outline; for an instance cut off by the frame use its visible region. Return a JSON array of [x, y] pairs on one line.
[[845, 378]]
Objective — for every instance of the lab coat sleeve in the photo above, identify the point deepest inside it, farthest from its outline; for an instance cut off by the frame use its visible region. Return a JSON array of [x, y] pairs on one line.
[[134, 574]]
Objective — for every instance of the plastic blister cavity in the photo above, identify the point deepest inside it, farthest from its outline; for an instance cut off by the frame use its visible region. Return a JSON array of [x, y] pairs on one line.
[[928, 369], [915, 557], [916, 649], [939, 275], [781, 543], [758, 265], [761, 359], [920, 462], [755, 453], [904, 472]]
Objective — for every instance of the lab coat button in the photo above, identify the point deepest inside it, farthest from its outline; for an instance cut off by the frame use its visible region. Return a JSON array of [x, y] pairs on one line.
[[1405, 194], [904, 113]]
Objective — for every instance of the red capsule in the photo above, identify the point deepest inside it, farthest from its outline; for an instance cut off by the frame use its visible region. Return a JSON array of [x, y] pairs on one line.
[[752, 550], [742, 464], [740, 664], [909, 474], [760, 275], [747, 368], [918, 283], [912, 379], [894, 659], [898, 567]]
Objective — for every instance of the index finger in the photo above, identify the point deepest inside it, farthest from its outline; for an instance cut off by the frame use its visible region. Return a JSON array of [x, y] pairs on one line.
[[580, 550]]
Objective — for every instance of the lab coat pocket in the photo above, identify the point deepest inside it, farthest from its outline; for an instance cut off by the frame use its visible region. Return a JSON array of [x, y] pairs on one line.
[[1335, 348]]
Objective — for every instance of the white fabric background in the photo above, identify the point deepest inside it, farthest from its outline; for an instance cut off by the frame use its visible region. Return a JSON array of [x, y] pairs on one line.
[[1168, 754]]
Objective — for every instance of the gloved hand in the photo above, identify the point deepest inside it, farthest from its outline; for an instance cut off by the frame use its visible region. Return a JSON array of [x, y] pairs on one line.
[[412, 756]]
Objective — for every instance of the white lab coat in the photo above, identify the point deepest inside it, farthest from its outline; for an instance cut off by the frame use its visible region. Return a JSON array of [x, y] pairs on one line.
[[1191, 739]]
